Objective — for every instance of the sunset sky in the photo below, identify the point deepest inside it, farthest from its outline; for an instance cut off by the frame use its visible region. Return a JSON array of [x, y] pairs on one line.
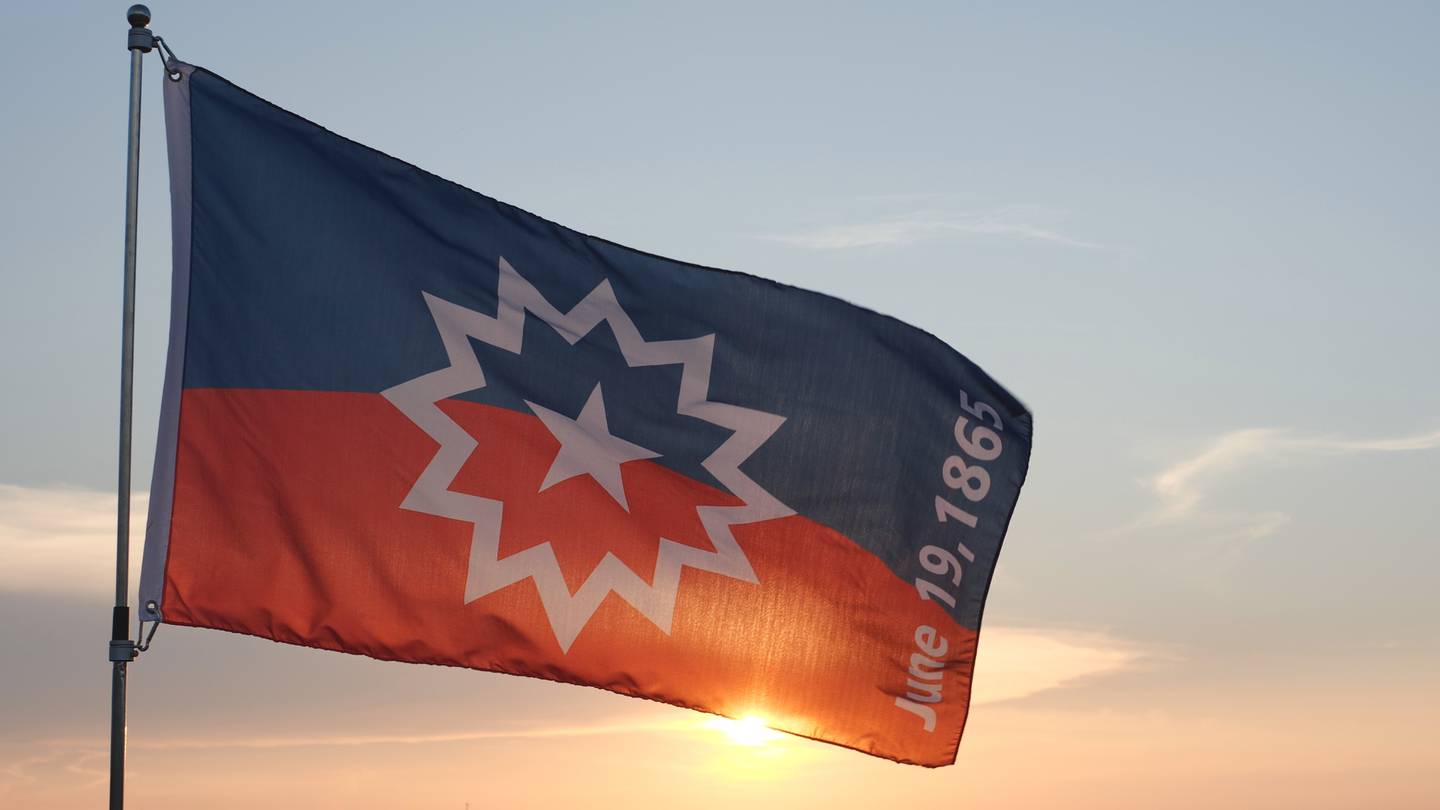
[[1199, 244]]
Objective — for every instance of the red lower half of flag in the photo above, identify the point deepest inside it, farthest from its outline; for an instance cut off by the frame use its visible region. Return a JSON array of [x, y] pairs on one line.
[[287, 524]]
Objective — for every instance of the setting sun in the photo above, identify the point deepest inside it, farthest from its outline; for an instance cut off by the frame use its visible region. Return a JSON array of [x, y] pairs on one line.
[[748, 730]]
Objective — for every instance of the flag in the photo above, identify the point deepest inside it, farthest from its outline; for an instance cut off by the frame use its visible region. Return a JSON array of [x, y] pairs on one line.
[[404, 420]]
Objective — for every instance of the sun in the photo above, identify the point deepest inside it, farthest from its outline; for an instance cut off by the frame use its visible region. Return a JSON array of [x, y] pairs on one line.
[[749, 730]]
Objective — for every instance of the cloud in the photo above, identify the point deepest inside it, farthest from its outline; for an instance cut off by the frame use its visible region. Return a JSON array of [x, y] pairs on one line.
[[1183, 488], [600, 729], [907, 228], [1015, 663], [81, 762], [57, 540]]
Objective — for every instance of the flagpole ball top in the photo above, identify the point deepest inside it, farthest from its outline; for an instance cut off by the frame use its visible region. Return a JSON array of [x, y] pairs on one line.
[[138, 15]]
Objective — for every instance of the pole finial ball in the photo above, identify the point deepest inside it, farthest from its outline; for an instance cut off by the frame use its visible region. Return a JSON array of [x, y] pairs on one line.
[[138, 15]]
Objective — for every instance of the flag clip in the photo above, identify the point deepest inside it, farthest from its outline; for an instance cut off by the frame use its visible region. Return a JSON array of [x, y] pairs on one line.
[[169, 59], [140, 632]]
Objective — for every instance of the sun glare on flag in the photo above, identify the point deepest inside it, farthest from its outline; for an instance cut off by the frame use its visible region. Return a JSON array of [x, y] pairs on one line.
[[749, 730]]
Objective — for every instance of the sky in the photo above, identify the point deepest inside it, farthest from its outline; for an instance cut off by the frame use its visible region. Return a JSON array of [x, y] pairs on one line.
[[1196, 240]]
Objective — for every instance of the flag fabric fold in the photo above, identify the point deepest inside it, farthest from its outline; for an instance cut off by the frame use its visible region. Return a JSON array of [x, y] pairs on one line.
[[405, 420]]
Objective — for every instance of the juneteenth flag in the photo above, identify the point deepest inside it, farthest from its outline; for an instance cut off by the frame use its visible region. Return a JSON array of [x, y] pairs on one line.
[[405, 420]]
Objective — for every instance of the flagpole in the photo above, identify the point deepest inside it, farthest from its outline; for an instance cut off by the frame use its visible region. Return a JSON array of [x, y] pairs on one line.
[[122, 648]]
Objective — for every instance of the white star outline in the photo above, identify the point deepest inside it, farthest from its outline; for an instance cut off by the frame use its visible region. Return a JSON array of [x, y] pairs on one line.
[[419, 400]]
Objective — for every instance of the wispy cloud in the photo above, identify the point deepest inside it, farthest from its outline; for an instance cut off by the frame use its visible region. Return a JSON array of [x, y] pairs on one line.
[[55, 767], [56, 540], [913, 226], [1015, 663], [607, 728], [1183, 488], [80, 762], [604, 728]]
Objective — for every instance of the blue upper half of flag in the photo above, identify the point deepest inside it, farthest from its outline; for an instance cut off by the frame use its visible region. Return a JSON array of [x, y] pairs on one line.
[[312, 255]]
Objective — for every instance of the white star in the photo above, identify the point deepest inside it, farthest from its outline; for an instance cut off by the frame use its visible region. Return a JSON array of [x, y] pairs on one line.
[[588, 448]]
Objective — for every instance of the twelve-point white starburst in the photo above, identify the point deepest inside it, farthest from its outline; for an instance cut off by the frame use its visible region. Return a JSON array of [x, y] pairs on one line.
[[587, 447]]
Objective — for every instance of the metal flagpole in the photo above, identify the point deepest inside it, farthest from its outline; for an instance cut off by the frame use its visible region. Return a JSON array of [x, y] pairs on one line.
[[122, 649]]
